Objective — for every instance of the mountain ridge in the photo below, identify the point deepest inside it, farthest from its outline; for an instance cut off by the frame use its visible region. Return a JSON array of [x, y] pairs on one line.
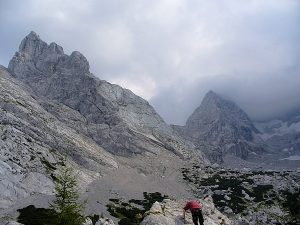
[[56, 107], [47, 73]]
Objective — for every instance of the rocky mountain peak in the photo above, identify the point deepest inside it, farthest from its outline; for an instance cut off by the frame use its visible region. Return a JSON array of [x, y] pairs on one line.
[[211, 95], [32, 44], [215, 109], [212, 99], [219, 124], [43, 59]]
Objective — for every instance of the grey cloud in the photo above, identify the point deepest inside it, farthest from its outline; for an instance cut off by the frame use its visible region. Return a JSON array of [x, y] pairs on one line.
[[172, 51]]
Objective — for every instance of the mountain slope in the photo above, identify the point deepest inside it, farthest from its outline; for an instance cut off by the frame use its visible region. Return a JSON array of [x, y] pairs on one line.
[[33, 142]]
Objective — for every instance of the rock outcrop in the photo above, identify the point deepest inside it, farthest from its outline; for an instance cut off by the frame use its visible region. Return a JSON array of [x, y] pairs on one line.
[[169, 212]]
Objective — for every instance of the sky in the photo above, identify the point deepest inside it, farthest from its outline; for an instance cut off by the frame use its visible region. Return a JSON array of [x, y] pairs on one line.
[[171, 52]]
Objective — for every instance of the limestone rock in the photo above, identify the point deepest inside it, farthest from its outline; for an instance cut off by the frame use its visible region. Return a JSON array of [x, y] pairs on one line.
[[171, 214], [105, 221], [156, 208]]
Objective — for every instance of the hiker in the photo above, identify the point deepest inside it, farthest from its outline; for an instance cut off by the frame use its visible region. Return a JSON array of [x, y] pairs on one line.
[[195, 207]]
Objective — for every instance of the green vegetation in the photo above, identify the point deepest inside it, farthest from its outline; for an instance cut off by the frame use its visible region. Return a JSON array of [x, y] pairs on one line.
[[69, 211], [37, 216], [292, 204], [65, 209], [260, 191], [131, 212]]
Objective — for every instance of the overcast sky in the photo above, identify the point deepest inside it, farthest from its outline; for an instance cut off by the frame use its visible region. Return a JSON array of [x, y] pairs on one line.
[[171, 52]]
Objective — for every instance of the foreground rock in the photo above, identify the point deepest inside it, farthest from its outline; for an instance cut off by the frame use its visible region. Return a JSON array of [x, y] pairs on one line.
[[169, 212]]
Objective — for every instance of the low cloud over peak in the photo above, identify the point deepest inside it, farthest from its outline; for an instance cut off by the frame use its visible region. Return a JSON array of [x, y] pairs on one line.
[[172, 52]]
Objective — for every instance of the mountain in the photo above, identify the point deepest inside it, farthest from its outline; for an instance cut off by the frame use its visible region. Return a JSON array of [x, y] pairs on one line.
[[284, 137], [51, 106], [115, 118], [219, 127]]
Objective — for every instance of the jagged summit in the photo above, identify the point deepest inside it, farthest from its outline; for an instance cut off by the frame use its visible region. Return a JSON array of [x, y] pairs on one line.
[[33, 45], [43, 59], [33, 42], [213, 97], [215, 108]]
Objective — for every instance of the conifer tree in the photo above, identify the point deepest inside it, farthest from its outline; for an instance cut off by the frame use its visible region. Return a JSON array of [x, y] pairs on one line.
[[69, 211]]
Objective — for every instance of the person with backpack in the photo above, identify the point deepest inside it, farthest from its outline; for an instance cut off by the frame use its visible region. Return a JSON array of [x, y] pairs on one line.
[[196, 209]]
